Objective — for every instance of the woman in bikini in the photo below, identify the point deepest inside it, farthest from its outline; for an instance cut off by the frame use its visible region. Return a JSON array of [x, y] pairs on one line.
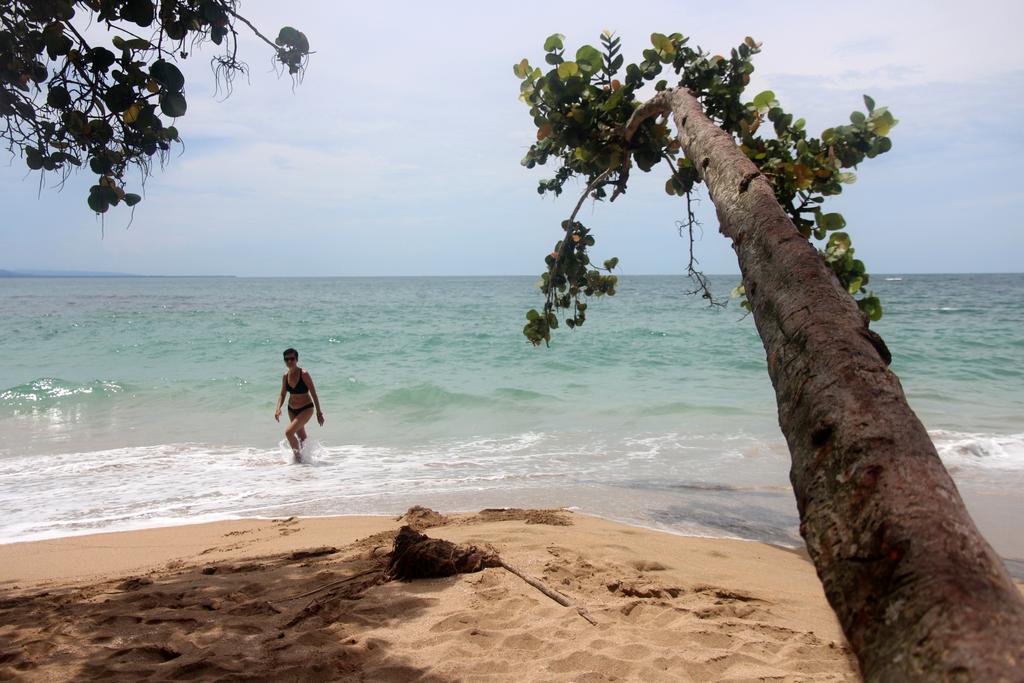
[[299, 384]]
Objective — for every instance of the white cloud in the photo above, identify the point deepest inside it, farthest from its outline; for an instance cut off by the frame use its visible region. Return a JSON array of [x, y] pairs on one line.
[[406, 133]]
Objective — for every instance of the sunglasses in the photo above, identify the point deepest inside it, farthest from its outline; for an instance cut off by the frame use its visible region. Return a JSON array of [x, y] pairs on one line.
[[289, 359]]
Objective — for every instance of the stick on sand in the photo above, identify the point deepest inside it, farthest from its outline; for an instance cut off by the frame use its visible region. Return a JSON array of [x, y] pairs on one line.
[[550, 592]]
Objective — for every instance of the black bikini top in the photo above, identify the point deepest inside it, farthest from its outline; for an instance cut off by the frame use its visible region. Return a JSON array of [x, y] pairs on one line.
[[300, 386]]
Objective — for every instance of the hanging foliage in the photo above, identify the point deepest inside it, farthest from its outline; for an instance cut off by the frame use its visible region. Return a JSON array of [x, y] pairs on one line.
[[68, 102], [581, 103]]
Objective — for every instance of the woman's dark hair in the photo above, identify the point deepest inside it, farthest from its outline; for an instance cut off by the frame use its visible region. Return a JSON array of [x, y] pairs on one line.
[[292, 352]]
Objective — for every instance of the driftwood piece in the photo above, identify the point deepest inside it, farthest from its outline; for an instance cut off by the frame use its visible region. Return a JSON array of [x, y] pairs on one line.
[[376, 576], [417, 556], [550, 592]]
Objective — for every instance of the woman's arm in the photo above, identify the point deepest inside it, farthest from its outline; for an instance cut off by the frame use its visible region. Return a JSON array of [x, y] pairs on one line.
[[280, 401], [316, 399]]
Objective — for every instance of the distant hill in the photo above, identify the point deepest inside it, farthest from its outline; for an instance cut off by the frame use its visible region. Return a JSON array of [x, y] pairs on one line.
[[85, 273], [62, 273]]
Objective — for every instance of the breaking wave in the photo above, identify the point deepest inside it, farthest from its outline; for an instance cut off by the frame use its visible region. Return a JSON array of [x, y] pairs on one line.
[[989, 451], [47, 391]]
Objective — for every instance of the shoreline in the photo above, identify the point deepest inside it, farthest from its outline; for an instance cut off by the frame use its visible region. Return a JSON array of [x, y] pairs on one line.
[[210, 529], [702, 494], [172, 523], [1015, 566]]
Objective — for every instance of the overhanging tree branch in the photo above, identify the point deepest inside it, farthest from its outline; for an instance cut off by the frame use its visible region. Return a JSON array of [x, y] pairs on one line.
[[66, 102]]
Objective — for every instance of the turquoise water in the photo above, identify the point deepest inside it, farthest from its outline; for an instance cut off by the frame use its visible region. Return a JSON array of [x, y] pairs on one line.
[[143, 401]]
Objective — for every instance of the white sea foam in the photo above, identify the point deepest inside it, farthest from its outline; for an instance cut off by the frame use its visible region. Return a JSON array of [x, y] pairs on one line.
[[310, 453], [128, 488], [982, 451], [684, 480]]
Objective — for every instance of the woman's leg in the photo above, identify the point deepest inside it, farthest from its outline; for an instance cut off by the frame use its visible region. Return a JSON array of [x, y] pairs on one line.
[[290, 435], [297, 425]]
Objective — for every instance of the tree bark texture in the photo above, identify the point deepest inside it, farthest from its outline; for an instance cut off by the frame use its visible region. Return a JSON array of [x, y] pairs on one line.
[[918, 591]]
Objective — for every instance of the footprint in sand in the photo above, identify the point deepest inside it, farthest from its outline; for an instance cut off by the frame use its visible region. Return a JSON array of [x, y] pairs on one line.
[[523, 641], [645, 590], [239, 532], [144, 654], [649, 566]]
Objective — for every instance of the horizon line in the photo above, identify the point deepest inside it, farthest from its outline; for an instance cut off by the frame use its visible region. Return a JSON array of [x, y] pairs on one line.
[[57, 274]]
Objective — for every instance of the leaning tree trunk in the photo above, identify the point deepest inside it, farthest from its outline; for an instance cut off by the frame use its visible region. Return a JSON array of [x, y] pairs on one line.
[[918, 591]]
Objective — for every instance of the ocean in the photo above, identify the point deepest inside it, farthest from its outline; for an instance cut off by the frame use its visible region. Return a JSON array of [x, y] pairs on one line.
[[139, 402]]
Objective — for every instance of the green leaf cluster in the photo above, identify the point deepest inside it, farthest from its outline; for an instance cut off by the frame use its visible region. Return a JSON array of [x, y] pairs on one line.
[[293, 49], [838, 253], [804, 170], [106, 194], [570, 278], [580, 106], [69, 102]]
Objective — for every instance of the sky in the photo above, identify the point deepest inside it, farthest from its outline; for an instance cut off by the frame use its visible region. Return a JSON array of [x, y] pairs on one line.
[[399, 152]]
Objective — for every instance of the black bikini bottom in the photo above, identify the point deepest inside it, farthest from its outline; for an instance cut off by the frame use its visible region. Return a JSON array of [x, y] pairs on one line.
[[295, 412]]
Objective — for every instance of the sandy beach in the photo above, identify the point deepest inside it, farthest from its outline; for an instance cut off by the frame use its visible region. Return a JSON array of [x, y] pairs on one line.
[[269, 600]]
